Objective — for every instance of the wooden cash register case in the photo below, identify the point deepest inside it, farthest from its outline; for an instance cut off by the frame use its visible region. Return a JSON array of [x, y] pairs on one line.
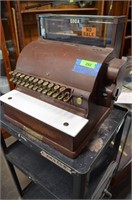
[[63, 92]]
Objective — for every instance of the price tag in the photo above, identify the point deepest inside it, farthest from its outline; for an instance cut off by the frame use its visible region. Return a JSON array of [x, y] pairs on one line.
[[89, 31], [87, 63], [87, 67]]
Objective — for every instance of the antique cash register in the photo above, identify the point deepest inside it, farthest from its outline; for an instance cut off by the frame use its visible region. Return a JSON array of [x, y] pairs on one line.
[[65, 90]]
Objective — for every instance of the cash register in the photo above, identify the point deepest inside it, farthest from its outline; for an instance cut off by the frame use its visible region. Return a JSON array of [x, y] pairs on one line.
[[67, 80]]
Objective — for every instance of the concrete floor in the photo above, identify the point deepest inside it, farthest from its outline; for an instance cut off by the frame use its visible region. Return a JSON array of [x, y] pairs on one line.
[[8, 187], [9, 190]]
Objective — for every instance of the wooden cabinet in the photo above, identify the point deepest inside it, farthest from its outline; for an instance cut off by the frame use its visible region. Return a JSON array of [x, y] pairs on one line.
[[126, 46], [7, 46], [122, 8], [26, 14]]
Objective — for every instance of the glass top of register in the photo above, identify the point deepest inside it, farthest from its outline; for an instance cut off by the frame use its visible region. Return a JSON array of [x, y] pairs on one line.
[[82, 29]]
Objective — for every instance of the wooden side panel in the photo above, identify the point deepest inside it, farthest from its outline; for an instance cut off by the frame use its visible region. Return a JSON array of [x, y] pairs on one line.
[[6, 56]]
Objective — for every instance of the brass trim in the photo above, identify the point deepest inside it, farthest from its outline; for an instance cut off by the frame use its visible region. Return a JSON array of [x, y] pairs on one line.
[[33, 133]]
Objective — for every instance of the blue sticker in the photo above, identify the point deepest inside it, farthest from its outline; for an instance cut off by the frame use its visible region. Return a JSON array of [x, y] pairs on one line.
[[87, 67]]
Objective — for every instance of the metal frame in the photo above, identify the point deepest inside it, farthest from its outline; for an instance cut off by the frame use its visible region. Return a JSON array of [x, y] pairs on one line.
[[80, 179]]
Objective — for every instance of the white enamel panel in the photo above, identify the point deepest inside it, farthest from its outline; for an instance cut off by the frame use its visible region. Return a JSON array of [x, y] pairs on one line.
[[47, 113]]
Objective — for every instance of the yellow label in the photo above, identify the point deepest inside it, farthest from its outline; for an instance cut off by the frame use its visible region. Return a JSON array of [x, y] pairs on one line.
[[89, 31], [87, 63]]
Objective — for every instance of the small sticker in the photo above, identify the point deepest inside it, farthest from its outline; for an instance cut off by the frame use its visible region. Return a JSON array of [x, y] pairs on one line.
[[87, 63], [87, 67], [89, 31]]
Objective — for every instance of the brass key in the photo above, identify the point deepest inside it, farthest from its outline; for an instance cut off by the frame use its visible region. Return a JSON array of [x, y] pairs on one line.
[[67, 98], [56, 87], [15, 80], [39, 90], [22, 76], [11, 79], [26, 85], [61, 96], [18, 75], [22, 83], [50, 85], [35, 88], [44, 91], [11, 72], [26, 78], [62, 89], [31, 79], [18, 82], [55, 95], [30, 86], [40, 82], [35, 80], [45, 83], [14, 73], [50, 93]]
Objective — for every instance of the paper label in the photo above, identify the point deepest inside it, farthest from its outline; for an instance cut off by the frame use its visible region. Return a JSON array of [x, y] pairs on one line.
[[89, 31], [87, 63], [57, 162], [86, 67]]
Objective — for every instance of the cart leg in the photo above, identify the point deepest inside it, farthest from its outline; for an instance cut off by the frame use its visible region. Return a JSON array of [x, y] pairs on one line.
[[79, 186]]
